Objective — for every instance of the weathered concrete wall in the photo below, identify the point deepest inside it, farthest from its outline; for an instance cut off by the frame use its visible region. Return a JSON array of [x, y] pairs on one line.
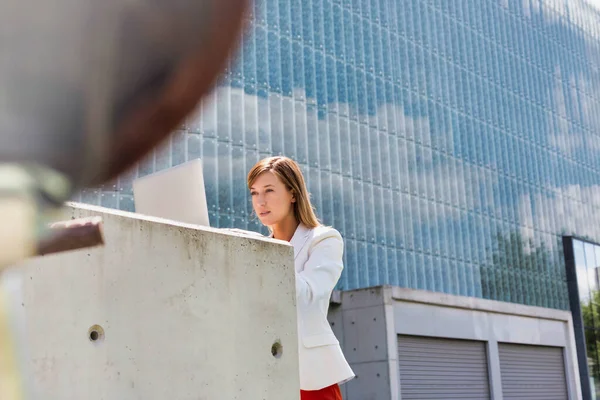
[[181, 312]]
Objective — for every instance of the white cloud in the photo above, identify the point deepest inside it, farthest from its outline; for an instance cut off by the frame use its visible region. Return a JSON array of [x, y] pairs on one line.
[[581, 13], [571, 210], [252, 114], [571, 105]]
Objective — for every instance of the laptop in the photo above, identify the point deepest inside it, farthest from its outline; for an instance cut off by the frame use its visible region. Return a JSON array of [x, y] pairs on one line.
[[175, 193]]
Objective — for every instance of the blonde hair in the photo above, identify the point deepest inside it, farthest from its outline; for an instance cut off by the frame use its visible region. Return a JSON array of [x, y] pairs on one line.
[[288, 172]]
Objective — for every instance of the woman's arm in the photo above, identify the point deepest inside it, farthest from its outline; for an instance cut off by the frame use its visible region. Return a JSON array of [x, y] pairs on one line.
[[323, 268]]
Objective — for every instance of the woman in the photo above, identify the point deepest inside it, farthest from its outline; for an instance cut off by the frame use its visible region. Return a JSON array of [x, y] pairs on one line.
[[281, 202]]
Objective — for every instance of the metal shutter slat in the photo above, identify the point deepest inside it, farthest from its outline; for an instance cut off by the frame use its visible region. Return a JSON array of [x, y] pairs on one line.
[[432, 369], [532, 372]]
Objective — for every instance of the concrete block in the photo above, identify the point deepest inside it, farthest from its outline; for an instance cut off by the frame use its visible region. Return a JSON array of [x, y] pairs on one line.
[[364, 297], [372, 382], [365, 334], [163, 311]]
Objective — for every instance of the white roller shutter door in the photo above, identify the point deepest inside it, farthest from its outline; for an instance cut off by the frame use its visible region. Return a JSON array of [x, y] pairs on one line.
[[532, 372], [437, 369]]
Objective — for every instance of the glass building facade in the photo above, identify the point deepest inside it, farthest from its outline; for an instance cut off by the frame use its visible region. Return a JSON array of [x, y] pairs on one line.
[[452, 143]]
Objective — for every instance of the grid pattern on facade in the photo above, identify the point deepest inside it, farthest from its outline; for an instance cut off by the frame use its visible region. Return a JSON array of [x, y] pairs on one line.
[[450, 142]]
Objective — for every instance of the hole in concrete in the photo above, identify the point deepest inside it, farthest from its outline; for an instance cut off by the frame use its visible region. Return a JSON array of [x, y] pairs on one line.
[[277, 349], [96, 333]]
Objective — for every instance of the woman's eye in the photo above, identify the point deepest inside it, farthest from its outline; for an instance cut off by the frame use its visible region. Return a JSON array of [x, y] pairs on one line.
[[269, 190], [253, 193]]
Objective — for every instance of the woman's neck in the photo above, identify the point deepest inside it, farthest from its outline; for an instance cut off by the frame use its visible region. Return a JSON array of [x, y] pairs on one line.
[[285, 229]]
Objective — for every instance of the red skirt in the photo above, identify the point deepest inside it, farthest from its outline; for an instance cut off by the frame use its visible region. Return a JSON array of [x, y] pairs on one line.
[[329, 393]]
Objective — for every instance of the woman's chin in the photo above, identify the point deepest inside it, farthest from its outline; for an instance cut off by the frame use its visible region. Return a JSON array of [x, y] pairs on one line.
[[266, 220]]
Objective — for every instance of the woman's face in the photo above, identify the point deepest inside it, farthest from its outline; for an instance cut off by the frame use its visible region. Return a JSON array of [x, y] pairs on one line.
[[271, 200]]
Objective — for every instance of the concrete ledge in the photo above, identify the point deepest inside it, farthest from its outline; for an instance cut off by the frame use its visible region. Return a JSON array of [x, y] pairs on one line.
[[475, 304], [163, 310], [378, 295], [75, 209]]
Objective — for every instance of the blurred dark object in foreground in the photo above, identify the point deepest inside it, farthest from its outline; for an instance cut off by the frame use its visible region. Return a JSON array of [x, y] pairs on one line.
[[89, 87]]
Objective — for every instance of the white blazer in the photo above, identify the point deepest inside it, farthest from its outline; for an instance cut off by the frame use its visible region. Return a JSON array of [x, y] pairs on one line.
[[318, 261]]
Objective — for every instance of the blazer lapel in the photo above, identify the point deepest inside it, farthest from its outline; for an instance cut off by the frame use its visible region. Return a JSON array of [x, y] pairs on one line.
[[299, 239]]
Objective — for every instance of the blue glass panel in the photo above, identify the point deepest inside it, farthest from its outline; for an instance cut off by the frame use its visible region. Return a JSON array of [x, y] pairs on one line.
[[349, 209], [260, 11], [337, 27], [285, 16], [250, 124], [264, 122], [288, 109], [276, 122], [399, 220], [359, 50], [223, 120], [317, 15], [351, 269], [240, 223], [363, 102], [307, 22], [323, 140], [394, 162], [338, 203], [345, 146], [375, 156], [298, 65], [364, 140], [321, 78], [368, 46], [210, 162], [309, 73], [359, 211], [379, 215], [369, 212], [349, 49], [334, 144], [371, 94], [326, 211], [341, 91], [272, 14], [363, 259], [392, 266], [261, 56], [356, 150], [387, 216], [274, 67], [312, 134], [382, 265], [352, 92], [178, 151], [238, 181], [287, 82]]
